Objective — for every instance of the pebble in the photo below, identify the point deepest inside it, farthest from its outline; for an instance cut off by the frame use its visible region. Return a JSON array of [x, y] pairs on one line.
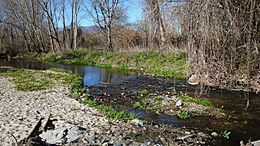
[[202, 134], [179, 103], [163, 140], [137, 123], [187, 132], [214, 134]]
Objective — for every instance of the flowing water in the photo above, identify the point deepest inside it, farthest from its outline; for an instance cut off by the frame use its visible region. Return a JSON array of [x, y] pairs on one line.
[[244, 106]]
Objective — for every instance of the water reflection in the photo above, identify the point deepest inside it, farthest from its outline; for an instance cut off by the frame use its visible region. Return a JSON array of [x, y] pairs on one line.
[[92, 76], [26, 64]]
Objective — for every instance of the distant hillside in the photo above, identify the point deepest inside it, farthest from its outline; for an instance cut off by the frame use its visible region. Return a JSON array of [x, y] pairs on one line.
[[89, 29]]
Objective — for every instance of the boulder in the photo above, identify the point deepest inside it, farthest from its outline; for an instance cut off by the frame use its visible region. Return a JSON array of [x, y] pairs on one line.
[[62, 135], [256, 143]]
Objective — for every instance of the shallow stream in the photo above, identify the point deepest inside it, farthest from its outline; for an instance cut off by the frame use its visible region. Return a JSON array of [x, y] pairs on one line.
[[116, 87]]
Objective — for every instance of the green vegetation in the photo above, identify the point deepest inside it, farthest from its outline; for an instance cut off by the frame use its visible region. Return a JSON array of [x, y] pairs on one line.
[[184, 114], [226, 134], [159, 99], [109, 110], [203, 102], [33, 80], [143, 92], [143, 104], [138, 105], [170, 64], [150, 103]]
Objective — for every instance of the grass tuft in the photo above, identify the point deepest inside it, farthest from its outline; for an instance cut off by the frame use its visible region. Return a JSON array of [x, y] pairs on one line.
[[109, 111], [184, 114], [203, 102]]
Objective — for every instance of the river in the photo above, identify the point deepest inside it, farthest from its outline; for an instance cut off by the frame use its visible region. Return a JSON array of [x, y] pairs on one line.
[[246, 124]]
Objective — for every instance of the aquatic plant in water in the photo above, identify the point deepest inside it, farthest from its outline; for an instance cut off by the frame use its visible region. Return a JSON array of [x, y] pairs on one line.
[[184, 114]]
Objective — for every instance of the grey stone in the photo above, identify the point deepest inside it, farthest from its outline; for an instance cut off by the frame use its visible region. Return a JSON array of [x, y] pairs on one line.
[[256, 143], [53, 136], [74, 134], [163, 140], [179, 103], [214, 134], [63, 134], [202, 134], [187, 132], [137, 123]]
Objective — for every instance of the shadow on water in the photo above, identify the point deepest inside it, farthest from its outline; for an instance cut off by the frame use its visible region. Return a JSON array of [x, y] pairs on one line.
[[244, 107], [158, 118]]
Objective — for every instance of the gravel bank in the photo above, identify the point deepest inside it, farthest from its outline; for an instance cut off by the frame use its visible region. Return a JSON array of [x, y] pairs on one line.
[[20, 112]]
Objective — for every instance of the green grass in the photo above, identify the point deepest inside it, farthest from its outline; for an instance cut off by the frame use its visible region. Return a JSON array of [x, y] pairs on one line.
[[171, 64], [143, 92], [184, 114], [137, 105], [199, 101], [109, 111], [29, 80], [33, 80], [149, 103], [159, 99]]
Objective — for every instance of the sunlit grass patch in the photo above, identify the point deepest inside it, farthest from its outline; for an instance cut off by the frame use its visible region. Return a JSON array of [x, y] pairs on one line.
[[199, 101], [109, 111], [184, 114], [33, 80]]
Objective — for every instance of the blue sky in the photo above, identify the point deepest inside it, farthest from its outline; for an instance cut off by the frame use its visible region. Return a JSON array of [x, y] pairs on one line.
[[134, 10], [134, 13]]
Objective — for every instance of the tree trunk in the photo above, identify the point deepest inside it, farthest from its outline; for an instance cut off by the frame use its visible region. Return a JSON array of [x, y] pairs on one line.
[[64, 32], [109, 39], [74, 25]]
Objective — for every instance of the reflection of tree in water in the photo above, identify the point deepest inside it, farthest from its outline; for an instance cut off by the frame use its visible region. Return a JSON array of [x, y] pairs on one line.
[[247, 97], [107, 77], [205, 91], [27, 64]]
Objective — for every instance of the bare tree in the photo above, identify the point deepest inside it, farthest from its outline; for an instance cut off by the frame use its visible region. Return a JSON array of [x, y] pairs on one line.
[[74, 24], [64, 31], [222, 41], [154, 7], [105, 15]]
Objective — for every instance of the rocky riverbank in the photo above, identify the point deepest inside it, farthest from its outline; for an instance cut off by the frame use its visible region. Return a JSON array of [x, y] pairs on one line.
[[20, 112], [67, 121]]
